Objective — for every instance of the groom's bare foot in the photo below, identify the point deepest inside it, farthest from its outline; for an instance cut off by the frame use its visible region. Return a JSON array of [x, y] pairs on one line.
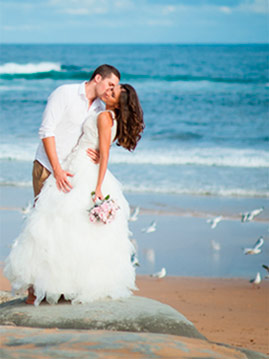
[[31, 296]]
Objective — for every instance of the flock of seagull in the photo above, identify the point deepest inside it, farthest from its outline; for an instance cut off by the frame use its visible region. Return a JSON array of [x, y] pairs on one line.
[[150, 254], [256, 249], [245, 217]]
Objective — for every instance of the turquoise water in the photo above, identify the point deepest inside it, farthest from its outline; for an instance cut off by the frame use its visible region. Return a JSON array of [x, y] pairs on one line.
[[206, 113]]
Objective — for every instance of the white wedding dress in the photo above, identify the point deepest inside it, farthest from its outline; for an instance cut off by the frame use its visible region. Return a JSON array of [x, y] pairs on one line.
[[60, 251]]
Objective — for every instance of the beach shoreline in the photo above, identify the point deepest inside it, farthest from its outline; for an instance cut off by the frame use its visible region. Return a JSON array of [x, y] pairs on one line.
[[211, 288]]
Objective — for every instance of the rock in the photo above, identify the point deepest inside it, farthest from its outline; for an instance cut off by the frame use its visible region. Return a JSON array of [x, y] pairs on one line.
[[131, 328], [7, 296], [134, 314], [84, 344]]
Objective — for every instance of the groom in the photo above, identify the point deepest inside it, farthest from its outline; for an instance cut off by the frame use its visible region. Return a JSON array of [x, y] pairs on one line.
[[65, 112]]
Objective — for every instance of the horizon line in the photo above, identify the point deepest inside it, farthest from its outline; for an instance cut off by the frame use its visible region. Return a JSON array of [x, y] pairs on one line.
[[134, 43]]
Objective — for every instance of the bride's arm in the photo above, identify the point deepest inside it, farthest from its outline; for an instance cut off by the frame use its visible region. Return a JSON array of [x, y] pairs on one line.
[[104, 124]]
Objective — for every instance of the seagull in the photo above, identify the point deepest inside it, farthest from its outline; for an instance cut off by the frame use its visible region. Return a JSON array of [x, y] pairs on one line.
[[248, 216], [256, 249], [267, 268], [134, 260], [150, 255], [27, 209], [151, 228], [215, 245], [134, 215], [160, 274], [257, 280], [214, 221]]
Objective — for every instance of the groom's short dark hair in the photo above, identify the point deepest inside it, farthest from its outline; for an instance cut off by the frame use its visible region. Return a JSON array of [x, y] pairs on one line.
[[105, 71]]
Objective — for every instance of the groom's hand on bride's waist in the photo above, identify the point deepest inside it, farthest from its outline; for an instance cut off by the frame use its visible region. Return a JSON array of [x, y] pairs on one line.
[[94, 155], [62, 182]]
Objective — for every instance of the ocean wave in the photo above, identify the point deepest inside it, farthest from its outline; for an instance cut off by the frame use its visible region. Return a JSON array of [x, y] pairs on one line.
[[12, 68], [172, 189], [56, 71], [18, 152], [12, 88], [219, 157], [182, 136], [209, 157], [218, 192], [15, 183]]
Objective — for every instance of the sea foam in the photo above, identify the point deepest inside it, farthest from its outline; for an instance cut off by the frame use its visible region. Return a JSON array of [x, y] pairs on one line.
[[224, 157], [12, 70], [209, 157], [184, 190], [171, 189], [30, 68]]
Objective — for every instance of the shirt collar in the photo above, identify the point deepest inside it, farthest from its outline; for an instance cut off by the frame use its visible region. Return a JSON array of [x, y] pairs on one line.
[[82, 90], [97, 104]]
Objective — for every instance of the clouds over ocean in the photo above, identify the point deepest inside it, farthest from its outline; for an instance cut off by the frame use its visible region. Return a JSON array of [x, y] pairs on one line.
[[134, 21]]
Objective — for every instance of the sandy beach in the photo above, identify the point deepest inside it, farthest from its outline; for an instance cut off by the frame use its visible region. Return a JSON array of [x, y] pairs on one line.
[[211, 289], [226, 311]]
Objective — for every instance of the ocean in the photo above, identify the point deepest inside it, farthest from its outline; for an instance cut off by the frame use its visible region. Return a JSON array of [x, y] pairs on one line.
[[205, 109], [204, 151]]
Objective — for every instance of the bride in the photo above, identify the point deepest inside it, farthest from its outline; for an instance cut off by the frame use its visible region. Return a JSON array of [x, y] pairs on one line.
[[60, 251]]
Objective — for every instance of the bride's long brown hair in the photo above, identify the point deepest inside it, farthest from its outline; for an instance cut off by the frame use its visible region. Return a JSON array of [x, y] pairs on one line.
[[129, 115]]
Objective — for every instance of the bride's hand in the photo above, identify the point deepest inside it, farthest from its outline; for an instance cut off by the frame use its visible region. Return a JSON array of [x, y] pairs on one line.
[[98, 195]]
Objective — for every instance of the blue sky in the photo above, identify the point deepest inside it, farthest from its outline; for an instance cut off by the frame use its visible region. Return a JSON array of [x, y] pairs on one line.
[[134, 21]]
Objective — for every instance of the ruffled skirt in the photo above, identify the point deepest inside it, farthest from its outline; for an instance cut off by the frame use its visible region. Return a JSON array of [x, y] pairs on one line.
[[60, 252]]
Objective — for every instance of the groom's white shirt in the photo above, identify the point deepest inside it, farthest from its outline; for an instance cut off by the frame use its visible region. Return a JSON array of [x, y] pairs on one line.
[[63, 118]]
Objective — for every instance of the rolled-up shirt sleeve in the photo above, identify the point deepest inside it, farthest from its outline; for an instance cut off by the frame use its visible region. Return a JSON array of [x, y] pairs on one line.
[[53, 113]]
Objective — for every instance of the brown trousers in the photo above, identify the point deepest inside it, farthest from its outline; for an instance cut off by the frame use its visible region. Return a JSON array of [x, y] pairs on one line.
[[40, 174]]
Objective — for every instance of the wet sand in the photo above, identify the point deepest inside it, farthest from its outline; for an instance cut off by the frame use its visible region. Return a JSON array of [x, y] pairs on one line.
[[225, 310]]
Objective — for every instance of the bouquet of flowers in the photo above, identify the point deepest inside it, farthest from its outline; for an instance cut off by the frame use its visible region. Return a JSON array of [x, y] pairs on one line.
[[103, 211]]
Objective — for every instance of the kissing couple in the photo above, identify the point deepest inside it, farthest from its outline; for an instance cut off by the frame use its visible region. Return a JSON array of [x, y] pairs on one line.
[[60, 252]]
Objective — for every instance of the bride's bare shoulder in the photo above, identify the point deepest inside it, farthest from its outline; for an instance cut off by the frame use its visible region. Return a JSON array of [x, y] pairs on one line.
[[105, 118]]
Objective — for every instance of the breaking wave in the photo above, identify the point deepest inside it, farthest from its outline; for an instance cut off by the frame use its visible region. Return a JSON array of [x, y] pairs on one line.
[[57, 71]]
